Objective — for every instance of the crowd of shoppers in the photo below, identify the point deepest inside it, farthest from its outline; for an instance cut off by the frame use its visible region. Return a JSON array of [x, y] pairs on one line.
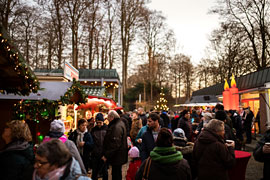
[[157, 145]]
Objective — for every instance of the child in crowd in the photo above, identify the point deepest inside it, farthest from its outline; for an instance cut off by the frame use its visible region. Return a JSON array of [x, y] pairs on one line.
[[134, 164]]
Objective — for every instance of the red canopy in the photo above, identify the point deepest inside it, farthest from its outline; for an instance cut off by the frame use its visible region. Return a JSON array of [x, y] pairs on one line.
[[94, 101]]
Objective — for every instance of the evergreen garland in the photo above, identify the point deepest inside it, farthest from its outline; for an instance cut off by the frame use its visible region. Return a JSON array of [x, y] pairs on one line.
[[27, 77], [75, 94], [36, 110]]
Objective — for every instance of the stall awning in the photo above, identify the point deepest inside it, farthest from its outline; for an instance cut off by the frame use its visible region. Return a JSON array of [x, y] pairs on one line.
[[48, 90], [197, 104]]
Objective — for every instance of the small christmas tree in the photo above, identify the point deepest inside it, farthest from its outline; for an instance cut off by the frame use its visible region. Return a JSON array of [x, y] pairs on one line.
[[161, 103]]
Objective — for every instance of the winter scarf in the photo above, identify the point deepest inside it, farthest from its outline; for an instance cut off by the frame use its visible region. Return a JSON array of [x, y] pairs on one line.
[[53, 175], [80, 139], [166, 155]]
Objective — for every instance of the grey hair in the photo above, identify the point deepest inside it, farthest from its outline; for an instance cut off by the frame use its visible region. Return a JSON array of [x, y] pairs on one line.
[[215, 125], [113, 114]]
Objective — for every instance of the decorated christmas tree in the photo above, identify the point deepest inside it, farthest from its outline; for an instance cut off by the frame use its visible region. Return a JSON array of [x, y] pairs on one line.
[[161, 102]]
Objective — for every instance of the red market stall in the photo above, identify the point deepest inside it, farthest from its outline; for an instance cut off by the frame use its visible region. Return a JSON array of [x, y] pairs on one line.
[[94, 102]]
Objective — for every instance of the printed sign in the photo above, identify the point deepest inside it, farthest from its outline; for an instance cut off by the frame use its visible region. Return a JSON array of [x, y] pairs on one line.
[[70, 72]]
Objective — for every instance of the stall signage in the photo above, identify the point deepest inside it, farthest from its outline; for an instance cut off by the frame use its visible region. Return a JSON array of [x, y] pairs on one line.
[[70, 72]]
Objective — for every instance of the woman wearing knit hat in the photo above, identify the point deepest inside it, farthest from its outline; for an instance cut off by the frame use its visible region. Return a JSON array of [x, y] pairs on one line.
[[165, 161], [57, 130]]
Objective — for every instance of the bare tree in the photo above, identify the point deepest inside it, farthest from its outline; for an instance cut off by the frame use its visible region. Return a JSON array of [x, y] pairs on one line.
[[129, 16], [152, 35], [253, 18], [7, 8], [74, 10]]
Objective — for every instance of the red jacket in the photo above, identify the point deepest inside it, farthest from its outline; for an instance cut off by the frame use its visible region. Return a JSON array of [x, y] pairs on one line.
[[132, 169]]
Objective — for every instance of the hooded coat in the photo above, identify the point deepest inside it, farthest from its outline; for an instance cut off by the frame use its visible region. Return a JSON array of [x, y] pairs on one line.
[[17, 161], [212, 157], [167, 163]]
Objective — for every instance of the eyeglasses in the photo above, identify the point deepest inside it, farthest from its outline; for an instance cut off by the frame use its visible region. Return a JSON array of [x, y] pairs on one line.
[[40, 163]]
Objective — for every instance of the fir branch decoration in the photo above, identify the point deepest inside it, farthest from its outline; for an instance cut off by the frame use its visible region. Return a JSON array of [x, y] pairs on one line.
[[75, 94]]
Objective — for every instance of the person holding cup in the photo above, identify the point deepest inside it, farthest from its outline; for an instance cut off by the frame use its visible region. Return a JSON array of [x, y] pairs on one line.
[[213, 157], [262, 154]]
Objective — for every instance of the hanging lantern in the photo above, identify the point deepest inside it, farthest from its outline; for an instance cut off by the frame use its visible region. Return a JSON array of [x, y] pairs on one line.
[[234, 95], [226, 96]]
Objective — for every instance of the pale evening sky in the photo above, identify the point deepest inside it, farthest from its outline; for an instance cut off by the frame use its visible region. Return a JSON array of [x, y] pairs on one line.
[[191, 23]]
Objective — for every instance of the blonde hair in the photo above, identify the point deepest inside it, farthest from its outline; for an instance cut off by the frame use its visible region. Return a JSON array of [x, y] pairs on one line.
[[19, 130]]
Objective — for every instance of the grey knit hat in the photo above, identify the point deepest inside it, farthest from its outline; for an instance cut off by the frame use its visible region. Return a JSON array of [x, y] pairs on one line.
[[57, 126]]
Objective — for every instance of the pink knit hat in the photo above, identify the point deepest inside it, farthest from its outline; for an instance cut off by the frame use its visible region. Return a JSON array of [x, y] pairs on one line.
[[134, 152]]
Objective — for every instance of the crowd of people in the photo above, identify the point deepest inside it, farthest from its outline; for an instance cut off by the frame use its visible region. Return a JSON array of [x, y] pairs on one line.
[[192, 144]]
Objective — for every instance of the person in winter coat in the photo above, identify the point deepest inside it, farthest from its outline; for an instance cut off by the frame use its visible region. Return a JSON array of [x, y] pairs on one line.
[[135, 126], [90, 120], [262, 154], [212, 156], [150, 136], [54, 161], [222, 116], [248, 118], [115, 149], [166, 161], [83, 140], [181, 144], [17, 158], [185, 124], [142, 116], [134, 164], [57, 130], [165, 118], [98, 134]]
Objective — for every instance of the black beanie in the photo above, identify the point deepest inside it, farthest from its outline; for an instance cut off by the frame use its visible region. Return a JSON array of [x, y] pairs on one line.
[[99, 117], [221, 115]]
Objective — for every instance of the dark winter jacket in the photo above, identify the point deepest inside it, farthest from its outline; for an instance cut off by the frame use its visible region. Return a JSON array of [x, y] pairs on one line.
[[168, 164], [166, 120], [143, 118], [115, 147], [186, 148], [98, 135], [186, 126], [229, 135], [261, 157], [126, 120], [87, 148], [148, 144], [17, 161], [212, 157]]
